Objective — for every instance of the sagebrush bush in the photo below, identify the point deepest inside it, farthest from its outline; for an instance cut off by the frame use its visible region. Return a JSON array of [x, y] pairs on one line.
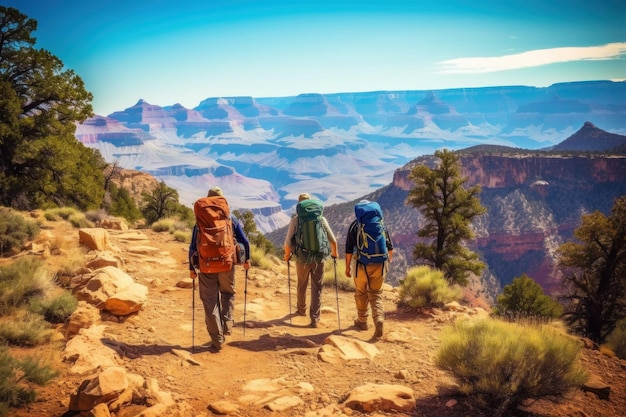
[[15, 230], [259, 258], [499, 365], [426, 287], [617, 339], [56, 309], [343, 283], [13, 375], [25, 329], [59, 213], [79, 220], [21, 280], [182, 236]]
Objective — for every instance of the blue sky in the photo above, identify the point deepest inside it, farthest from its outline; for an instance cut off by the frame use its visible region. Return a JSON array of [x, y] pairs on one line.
[[184, 51]]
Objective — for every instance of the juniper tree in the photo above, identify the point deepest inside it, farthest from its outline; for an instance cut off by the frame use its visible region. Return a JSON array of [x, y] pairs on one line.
[[448, 209], [594, 269], [41, 162]]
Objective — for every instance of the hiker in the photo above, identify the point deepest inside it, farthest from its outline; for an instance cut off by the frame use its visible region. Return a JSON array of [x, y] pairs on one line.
[[369, 241], [312, 242], [217, 278]]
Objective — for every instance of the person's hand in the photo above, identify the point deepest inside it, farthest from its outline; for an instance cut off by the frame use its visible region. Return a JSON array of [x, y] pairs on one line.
[[348, 270], [287, 256], [246, 264], [192, 274], [334, 255], [389, 256]]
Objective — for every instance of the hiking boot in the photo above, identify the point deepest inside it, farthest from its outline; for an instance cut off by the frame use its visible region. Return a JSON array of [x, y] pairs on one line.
[[313, 324], [301, 313], [361, 325], [379, 329]]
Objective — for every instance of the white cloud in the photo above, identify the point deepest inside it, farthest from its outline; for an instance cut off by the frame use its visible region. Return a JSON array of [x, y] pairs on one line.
[[536, 58]]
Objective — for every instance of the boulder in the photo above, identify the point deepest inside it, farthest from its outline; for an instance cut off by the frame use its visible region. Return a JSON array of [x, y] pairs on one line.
[[387, 398], [94, 238], [104, 388]]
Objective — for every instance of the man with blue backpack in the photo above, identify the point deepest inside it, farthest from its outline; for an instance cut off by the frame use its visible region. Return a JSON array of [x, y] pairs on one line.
[[309, 236], [368, 240]]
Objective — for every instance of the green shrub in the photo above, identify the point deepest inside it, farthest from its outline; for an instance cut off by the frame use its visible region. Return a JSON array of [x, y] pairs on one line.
[[499, 365], [260, 259], [57, 309], [426, 287], [26, 329], [13, 375], [525, 298], [15, 230], [343, 283], [182, 236], [163, 225], [23, 279], [79, 221], [617, 339], [170, 224], [59, 213]]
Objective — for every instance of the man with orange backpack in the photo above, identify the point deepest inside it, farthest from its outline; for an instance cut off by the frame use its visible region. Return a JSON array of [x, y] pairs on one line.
[[213, 254]]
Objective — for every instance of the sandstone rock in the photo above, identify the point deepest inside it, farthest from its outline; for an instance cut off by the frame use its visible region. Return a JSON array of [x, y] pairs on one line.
[[83, 317], [223, 408], [87, 352], [284, 403], [100, 410], [349, 349], [113, 290], [114, 224], [127, 301], [374, 397], [103, 259], [94, 238], [105, 387]]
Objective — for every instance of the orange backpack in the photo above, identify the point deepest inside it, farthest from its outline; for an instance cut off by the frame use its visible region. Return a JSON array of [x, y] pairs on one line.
[[215, 239]]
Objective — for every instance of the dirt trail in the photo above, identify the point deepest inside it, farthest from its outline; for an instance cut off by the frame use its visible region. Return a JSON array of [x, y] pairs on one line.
[[276, 345]]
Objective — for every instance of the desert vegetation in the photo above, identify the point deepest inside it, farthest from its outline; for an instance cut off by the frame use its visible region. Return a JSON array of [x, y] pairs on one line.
[[499, 365]]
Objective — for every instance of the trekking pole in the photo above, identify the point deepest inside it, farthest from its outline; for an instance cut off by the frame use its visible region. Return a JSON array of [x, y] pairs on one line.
[[337, 293], [289, 286], [193, 316], [245, 297]]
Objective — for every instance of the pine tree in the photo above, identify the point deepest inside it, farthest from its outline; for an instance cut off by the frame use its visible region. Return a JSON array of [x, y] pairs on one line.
[[448, 209], [41, 162], [594, 269]]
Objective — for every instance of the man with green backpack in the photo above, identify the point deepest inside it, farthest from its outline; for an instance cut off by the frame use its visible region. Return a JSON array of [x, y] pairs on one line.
[[310, 238]]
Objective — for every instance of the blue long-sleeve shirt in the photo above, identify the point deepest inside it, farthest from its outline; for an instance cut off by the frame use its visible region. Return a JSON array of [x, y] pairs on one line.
[[240, 236]]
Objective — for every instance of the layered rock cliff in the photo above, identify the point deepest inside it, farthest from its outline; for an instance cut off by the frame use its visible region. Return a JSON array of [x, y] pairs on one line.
[[534, 201]]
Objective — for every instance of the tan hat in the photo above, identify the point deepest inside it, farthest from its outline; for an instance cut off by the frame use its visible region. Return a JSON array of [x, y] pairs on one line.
[[215, 191], [303, 196]]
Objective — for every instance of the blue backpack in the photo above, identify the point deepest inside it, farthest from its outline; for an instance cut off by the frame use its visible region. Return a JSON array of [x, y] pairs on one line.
[[371, 239]]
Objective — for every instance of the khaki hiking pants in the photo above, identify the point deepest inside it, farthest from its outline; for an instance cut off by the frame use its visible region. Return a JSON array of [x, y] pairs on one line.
[[218, 290], [368, 283], [316, 271]]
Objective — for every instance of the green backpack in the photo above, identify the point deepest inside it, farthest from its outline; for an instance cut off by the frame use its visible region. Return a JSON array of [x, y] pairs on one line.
[[311, 240]]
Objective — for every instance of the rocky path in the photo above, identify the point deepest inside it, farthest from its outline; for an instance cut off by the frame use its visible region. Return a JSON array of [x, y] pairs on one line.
[[280, 366]]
